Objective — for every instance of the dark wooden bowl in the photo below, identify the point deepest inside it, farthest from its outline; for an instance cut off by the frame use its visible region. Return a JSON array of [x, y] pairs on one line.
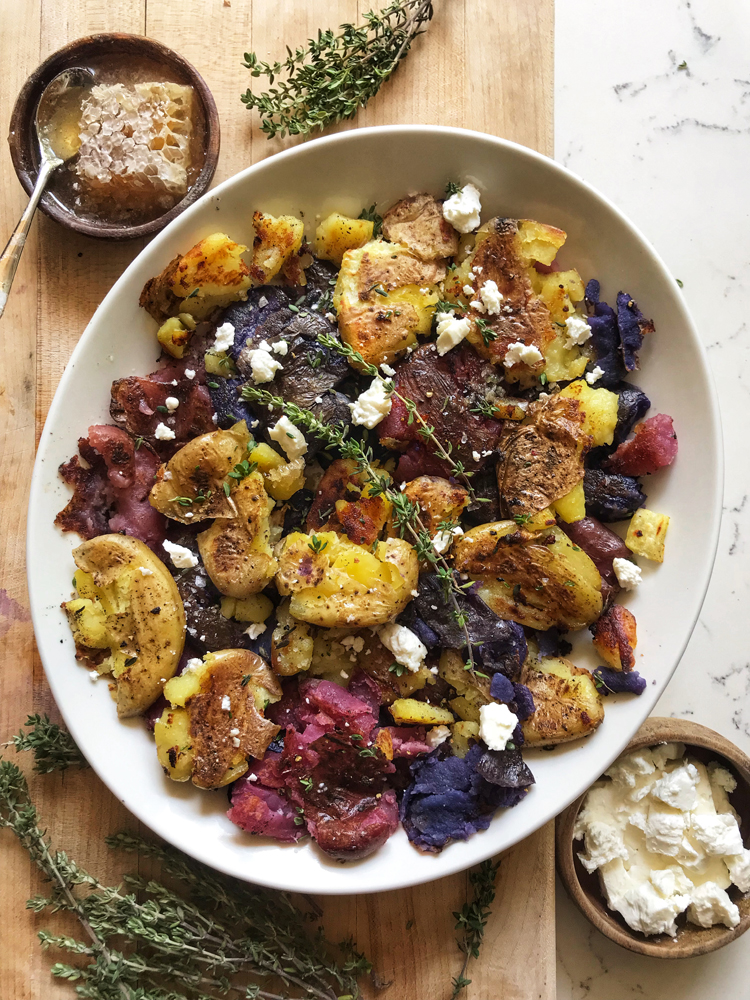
[[583, 887], [23, 145]]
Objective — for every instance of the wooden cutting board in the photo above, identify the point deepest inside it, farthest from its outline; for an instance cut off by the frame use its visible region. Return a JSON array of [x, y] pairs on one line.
[[485, 65]]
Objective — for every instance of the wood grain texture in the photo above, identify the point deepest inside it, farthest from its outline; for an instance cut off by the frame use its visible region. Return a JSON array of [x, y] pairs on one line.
[[483, 65]]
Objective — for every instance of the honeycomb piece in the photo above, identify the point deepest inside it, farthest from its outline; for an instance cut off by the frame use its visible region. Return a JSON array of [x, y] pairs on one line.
[[135, 146]]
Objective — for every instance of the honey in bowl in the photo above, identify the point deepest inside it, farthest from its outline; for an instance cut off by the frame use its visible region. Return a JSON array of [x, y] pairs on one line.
[[140, 139]]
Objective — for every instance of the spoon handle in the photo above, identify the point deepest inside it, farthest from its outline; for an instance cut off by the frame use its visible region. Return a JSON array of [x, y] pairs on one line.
[[14, 248]]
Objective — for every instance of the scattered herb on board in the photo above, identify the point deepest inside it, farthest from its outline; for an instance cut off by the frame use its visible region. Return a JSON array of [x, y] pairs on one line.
[[335, 74], [472, 918], [201, 936]]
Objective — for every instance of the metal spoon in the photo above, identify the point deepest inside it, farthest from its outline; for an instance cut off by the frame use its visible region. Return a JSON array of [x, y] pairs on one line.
[[56, 125]]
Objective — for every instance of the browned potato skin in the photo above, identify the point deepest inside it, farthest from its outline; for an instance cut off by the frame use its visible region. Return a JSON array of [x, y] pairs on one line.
[[236, 551], [417, 222], [291, 644], [338, 496], [439, 500], [615, 637], [276, 241], [542, 460], [199, 466], [213, 750], [564, 711]]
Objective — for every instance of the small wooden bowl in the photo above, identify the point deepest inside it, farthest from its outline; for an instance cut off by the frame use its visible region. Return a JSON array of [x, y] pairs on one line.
[[22, 138], [583, 887]]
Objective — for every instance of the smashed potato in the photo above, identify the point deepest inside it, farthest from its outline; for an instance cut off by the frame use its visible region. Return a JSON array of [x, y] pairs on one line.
[[128, 619], [335, 583], [599, 408], [417, 223], [235, 550], [647, 534], [338, 233], [384, 297], [210, 275], [410, 712], [533, 575], [216, 718], [344, 503], [276, 241], [568, 705], [615, 637], [190, 487], [282, 477], [291, 644], [439, 500]]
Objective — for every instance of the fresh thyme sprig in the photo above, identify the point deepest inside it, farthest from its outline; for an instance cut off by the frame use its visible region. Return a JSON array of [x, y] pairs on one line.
[[336, 74], [53, 747], [144, 939], [472, 918], [405, 512], [425, 431]]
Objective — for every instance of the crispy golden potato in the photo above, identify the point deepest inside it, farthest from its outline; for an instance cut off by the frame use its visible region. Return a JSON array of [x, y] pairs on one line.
[[384, 297], [276, 240], [190, 487], [463, 734], [224, 698], [255, 608], [571, 507], [335, 583], [417, 223], [175, 333], [338, 233], [439, 500], [343, 503], [599, 408], [473, 692], [128, 608], [533, 575], [282, 478], [568, 706], [210, 275], [647, 534], [615, 637], [235, 550], [542, 459], [410, 712], [291, 644]]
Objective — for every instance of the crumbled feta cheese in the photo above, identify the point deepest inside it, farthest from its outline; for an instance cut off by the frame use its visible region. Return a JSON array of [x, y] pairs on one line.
[[145, 571], [181, 556], [478, 305], [476, 456], [477, 269], [677, 789], [164, 433], [444, 539], [492, 297], [371, 406], [291, 438], [234, 732], [215, 419], [252, 777], [436, 736], [522, 354], [711, 905], [190, 373], [255, 630], [263, 366], [627, 573], [226, 703], [739, 869], [718, 835], [387, 370], [224, 337], [167, 474], [496, 725], [318, 399], [235, 741], [192, 665], [594, 375], [468, 291], [94, 675], [280, 347], [450, 332], [171, 403], [262, 302], [463, 209], [577, 330], [355, 642], [406, 647], [331, 317]]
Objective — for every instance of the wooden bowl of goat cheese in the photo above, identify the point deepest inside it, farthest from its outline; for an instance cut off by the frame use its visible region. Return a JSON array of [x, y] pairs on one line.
[[655, 854]]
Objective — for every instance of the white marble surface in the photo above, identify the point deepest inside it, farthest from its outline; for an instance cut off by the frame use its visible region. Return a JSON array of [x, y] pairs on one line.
[[653, 108]]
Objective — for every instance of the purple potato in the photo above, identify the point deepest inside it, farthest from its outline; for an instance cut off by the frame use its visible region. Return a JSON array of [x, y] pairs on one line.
[[505, 768], [610, 681], [611, 496]]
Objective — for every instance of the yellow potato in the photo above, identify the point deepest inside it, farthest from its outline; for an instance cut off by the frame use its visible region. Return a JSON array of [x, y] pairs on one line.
[[647, 534], [338, 233], [572, 507], [599, 407], [276, 239], [292, 644], [130, 605], [410, 712], [463, 735], [568, 705]]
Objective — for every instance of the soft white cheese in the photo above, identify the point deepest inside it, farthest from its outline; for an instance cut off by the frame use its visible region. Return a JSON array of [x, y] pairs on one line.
[[660, 843], [496, 725], [263, 366], [255, 630], [371, 406], [164, 433], [190, 373], [181, 556], [291, 438], [192, 665], [280, 347], [627, 573], [577, 331], [436, 736], [468, 291], [594, 375], [226, 703], [444, 539], [145, 571], [463, 209], [224, 337], [450, 332], [387, 370], [522, 354], [492, 297], [405, 645], [353, 642], [171, 403]]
